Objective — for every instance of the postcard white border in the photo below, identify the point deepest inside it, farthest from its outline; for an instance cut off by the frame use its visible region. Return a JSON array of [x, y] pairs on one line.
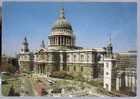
[[138, 50]]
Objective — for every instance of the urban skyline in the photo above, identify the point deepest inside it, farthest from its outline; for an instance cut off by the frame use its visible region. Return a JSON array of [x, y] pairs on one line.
[[119, 21]]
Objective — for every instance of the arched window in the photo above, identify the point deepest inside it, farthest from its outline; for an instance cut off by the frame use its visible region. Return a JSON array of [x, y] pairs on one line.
[[98, 57], [87, 58], [68, 58], [74, 59]]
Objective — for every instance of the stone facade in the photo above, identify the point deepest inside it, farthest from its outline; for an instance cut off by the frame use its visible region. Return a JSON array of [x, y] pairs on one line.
[[25, 58], [73, 61], [109, 77], [126, 71], [63, 55]]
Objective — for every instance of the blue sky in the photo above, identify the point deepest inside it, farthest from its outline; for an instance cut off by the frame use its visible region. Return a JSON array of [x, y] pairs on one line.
[[92, 23]]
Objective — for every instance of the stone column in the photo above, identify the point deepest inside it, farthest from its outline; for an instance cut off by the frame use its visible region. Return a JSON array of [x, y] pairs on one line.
[[35, 69], [120, 81], [117, 84], [57, 40], [38, 69], [71, 42], [42, 68], [53, 41], [63, 40], [126, 80], [60, 40], [66, 40], [47, 70], [133, 83], [129, 81], [50, 41]]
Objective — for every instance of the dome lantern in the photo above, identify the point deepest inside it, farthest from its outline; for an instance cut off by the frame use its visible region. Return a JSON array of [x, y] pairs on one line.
[[62, 14]]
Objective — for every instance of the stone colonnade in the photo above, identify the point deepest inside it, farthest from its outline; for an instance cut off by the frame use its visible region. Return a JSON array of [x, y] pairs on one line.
[[61, 40], [41, 68], [128, 80]]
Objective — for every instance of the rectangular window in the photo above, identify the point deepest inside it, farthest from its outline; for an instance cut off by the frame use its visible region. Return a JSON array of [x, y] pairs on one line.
[[106, 65]]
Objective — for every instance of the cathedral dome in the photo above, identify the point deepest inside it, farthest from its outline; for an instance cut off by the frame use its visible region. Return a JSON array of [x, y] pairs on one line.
[[61, 22], [62, 33]]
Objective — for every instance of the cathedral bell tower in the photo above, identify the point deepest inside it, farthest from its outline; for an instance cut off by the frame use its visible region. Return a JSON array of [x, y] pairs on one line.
[[109, 65], [42, 44], [25, 46], [25, 58], [109, 49]]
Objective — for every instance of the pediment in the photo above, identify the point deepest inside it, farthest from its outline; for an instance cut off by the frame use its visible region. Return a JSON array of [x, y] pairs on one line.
[[42, 50]]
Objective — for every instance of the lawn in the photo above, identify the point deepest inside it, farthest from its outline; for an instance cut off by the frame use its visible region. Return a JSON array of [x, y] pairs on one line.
[[5, 89]]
